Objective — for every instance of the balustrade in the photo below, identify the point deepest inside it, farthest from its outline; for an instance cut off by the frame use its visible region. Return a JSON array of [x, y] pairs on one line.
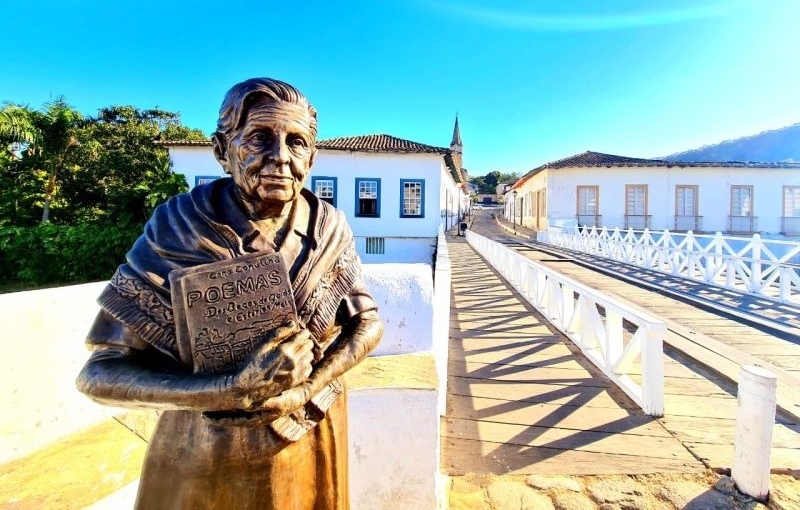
[[790, 225], [767, 268], [685, 223], [625, 343], [637, 221], [742, 224]]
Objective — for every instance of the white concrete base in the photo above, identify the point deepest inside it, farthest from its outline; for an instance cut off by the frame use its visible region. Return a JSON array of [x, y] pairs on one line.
[[394, 449], [393, 415], [43, 351], [404, 293], [123, 498]]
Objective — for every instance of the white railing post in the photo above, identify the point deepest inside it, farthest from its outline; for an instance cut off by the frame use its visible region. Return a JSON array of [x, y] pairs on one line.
[[762, 267], [755, 269], [575, 308], [653, 370], [754, 423], [785, 292], [613, 347]]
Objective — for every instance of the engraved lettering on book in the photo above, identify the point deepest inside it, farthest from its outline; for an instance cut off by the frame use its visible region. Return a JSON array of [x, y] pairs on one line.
[[222, 312], [224, 309]]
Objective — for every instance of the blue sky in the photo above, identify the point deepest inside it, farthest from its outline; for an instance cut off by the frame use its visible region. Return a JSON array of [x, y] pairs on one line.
[[532, 81]]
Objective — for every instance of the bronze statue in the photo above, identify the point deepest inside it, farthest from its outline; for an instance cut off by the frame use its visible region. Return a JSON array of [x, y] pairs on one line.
[[271, 432]]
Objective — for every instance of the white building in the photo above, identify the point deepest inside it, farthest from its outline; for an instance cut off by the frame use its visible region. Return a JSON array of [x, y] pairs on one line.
[[604, 190], [395, 193]]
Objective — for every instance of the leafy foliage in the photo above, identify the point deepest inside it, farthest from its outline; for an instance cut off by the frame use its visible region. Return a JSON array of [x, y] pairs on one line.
[[43, 140], [489, 182], [76, 190], [49, 254], [71, 169]]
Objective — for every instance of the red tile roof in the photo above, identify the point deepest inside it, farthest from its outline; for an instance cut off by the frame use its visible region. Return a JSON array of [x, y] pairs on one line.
[[598, 159], [378, 143], [183, 143], [364, 143], [590, 158]]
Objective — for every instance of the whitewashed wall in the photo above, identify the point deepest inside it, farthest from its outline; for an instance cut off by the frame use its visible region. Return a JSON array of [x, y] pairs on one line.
[[193, 162], [713, 191], [346, 166], [407, 240], [393, 426], [398, 250], [404, 293], [451, 198]]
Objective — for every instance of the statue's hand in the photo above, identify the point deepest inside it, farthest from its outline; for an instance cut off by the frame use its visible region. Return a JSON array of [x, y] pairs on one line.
[[280, 363], [287, 402]]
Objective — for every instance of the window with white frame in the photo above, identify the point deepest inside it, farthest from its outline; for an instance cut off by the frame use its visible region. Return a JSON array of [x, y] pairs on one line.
[[205, 179], [791, 201], [368, 192], [685, 200], [413, 198], [325, 188], [636, 199], [741, 200], [587, 200]]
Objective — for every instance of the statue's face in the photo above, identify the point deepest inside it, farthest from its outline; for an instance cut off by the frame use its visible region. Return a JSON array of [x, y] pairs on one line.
[[271, 155]]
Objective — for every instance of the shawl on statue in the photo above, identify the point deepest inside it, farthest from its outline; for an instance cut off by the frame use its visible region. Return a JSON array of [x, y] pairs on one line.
[[208, 224]]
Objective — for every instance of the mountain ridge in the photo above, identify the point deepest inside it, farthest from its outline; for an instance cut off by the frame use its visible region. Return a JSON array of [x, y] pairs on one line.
[[780, 145]]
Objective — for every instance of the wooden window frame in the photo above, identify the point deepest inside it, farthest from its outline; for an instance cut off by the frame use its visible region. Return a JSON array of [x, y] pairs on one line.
[[646, 199], [752, 199], [403, 183], [783, 198], [596, 200], [696, 189]]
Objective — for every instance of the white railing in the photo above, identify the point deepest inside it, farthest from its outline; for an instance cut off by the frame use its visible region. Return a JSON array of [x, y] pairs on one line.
[[766, 268], [592, 321], [442, 278]]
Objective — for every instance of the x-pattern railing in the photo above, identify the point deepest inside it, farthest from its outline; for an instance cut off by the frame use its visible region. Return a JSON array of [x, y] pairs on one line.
[[614, 336], [751, 265]]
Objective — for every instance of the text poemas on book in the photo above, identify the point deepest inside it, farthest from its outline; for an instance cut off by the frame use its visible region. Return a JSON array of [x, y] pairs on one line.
[[223, 310]]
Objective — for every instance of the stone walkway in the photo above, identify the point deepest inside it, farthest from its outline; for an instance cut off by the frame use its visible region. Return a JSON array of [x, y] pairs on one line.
[[617, 492]]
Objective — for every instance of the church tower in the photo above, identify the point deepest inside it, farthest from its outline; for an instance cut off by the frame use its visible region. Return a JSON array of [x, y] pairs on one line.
[[456, 147]]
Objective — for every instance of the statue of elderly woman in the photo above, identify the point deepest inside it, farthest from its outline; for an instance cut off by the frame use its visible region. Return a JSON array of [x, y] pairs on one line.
[[216, 444]]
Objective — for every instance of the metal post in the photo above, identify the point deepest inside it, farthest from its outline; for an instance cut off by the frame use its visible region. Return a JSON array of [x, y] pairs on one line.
[[514, 211], [755, 420]]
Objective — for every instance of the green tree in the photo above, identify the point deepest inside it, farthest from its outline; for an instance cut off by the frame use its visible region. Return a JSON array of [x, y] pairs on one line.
[[126, 173], [489, 182], [16, 127], [42, 142], [491, 179]]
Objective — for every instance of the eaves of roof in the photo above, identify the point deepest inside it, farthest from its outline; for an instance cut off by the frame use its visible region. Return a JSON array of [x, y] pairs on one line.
[[590, 159], [364, 143], [379, 143]]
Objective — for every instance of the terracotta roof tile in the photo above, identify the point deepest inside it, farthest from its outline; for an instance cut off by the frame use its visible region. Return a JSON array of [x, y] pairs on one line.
[[183, 143], [598, 159], [590, 158], [364, 143], [378, 143]]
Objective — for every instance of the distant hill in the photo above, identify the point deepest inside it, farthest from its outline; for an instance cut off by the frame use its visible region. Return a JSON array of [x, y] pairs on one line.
[[776, 146]]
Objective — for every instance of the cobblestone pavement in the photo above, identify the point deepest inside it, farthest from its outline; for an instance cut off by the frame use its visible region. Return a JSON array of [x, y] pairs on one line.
[[616, 492]]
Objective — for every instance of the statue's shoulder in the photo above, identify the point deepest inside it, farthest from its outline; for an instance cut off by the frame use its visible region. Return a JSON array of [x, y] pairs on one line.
[[200, 202], [325, 215]]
